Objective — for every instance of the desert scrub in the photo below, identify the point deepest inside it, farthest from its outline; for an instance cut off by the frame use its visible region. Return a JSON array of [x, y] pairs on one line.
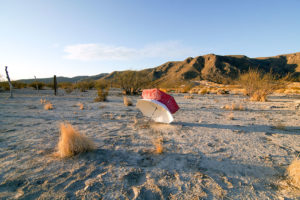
[[158, 143], [203, 91], [293, 171], [102, 90], [126, 101], [48, 106], [234, 106], [71, 142], [83, 86], [189, 97], [68, 87], [258, 85], [37, 85], [81, 107]]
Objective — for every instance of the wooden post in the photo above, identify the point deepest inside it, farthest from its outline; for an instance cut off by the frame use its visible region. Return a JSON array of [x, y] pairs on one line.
[[36, 84], [55, 85], [10, 85]]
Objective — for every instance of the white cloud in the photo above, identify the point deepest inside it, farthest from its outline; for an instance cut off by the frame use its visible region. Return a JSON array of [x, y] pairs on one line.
[[88, 52]]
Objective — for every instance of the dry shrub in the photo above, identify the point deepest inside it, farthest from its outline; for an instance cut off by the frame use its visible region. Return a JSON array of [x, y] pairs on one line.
[[127, 102], [48, 106], [102, 90], [81, 107], [294, 172], [85, 85], [258, 85], [234, 107], [279, 126], [203, 91], [71, 142], [222, 91], [43, 101], [102, 95], [159, 146], [230, 116], [189, 97]]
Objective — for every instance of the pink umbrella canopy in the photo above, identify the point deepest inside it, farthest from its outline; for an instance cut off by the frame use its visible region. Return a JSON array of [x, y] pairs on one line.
[[164, 98]]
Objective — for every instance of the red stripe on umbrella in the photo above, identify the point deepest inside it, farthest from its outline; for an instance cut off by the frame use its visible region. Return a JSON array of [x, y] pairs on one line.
[[158, 95]]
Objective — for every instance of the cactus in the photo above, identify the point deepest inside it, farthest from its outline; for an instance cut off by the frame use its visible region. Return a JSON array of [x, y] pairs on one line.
[[55, 85]]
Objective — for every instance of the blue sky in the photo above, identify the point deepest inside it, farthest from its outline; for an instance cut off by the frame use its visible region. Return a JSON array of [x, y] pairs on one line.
[[69, 38]]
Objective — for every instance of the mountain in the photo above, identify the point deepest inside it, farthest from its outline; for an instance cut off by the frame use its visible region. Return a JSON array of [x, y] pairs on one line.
[[218, 68], [210, 67], [65, 79]]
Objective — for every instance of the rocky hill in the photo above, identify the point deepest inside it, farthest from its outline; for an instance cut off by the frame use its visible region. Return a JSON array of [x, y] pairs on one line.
[[217, 68]]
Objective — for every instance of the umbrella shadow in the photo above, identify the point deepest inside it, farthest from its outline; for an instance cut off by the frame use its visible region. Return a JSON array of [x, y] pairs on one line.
[[292, 130]]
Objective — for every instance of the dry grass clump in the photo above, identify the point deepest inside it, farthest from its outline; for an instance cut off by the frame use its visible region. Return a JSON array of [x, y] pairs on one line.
[[127, 102], [48, 106], [81, 107], [230, 116], [102, 95], [258, 85], [71, 142], [43, 101], [159, 149], [203, 91], [280, 126], [293, 171], [234, 107], [189, 97], [222, 91]]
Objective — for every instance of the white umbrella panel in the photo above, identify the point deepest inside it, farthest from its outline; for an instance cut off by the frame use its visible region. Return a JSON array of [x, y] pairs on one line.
[[155, 110]]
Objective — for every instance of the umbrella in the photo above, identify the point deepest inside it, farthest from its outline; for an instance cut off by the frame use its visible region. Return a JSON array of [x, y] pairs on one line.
[[162, 97], [157, 105], [155, 110]]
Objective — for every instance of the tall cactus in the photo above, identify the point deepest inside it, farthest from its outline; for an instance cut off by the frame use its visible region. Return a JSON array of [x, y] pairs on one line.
[[55, 85]]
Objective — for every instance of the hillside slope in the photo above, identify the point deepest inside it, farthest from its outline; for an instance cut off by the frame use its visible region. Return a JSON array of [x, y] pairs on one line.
[[217, 68]]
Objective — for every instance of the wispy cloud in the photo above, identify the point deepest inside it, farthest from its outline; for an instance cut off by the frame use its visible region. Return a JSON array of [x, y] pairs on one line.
[[88, 52]]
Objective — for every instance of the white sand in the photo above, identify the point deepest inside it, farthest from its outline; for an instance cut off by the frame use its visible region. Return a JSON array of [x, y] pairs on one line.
[[206, 155]]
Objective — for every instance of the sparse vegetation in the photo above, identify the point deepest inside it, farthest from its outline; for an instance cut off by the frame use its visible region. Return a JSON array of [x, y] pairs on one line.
[[234, 106], [48, 106], [18, 84], [131, 82], [203, 91], [43, 101], [258, 85], [102, 90], [159, 146], [71, 142], [189, 97], [230, 116], [81, 107], [83, 86], [127, 102], [280, 126], [68, 87], [293, 171], [37, 85]]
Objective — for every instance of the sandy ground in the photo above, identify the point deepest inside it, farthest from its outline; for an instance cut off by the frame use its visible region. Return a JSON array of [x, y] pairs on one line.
[[209, 152]]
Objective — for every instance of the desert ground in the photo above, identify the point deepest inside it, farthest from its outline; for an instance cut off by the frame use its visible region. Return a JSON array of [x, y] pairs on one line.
[[208, 152]]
